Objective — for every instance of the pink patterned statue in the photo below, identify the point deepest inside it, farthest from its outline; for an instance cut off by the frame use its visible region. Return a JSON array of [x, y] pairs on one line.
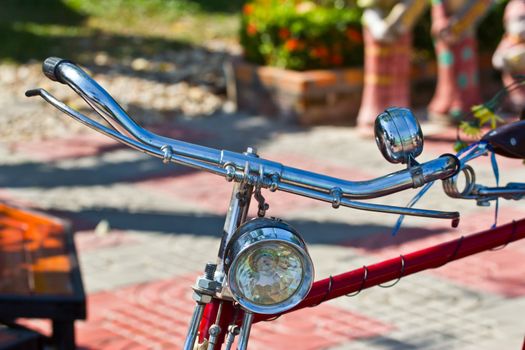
[[453, 28], [510, 54], [388, 42]]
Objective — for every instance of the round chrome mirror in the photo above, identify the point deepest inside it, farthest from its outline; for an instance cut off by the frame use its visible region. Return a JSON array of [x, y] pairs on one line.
[[398, 135]]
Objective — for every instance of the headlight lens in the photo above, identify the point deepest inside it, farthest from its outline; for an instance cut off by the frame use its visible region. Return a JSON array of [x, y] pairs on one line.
[[270, 270], [269, 275]]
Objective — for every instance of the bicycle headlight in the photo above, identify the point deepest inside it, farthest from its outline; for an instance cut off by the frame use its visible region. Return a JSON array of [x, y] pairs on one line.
[[269, 269]]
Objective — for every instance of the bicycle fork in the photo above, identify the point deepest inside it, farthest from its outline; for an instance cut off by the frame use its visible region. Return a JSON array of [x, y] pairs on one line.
[[209, 332]]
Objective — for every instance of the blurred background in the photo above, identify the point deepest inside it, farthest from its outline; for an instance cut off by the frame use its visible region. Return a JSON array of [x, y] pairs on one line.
[[144, 230]]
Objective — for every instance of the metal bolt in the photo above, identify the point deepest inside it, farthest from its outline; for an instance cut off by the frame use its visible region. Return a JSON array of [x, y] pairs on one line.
[[513, 141], [274, 184], [251, 151], [336, 197], [168, 154], [214, 330], [230, 173], [483, 203], [209, 270]]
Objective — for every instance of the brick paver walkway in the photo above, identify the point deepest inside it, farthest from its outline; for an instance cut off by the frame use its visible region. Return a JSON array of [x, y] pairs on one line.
[[165, 224]]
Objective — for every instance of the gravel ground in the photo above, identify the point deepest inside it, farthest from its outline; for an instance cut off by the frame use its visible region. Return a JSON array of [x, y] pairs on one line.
[[188, 83]]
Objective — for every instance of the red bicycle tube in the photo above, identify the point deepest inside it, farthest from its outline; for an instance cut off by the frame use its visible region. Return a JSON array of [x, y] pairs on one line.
[[392, 269], [210, 317]]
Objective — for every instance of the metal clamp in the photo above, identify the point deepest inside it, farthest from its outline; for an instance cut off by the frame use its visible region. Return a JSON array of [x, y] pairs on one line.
[[168, 154], [455, 252], [511, 237], [328, 291], [401, 273], [336, 194], [363, 281]]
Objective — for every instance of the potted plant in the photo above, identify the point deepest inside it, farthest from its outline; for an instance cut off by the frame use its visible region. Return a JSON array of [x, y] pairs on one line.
[[302, 60]]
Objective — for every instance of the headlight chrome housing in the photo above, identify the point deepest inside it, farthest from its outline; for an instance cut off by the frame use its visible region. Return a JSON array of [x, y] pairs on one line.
[[268, 266]]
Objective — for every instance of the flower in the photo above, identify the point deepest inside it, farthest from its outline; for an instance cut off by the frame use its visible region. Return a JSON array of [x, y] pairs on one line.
[[247, 9], [354, 35], [337, 60], [319, 52], [251, 29], [284, 33], [293, 45]]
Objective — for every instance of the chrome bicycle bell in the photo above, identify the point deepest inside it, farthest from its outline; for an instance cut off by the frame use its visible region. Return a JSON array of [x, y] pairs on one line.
[[398, 135]]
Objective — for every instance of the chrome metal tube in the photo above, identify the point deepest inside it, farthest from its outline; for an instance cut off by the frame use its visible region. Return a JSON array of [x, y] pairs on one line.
[[124, 139], [245, 331], [370, 206], [194, 326], [409, 178], [244, 168], [305, 182], [112, 112], [236, 215], [501, 191], [233, 330]]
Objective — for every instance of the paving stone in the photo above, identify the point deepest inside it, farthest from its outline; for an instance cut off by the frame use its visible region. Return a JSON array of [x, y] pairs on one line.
[[165, 224]]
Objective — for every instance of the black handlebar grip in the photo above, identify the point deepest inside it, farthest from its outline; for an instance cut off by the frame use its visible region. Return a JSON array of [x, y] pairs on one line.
[[50, 65]]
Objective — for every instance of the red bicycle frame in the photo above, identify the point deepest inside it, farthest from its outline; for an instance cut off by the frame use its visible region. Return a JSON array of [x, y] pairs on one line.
[[368, 276]]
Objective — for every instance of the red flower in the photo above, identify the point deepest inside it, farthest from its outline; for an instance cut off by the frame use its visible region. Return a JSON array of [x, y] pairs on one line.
[[319, 52], [337, 60], [354, 35], [293, 45], [247, 9], [251, 29], [284, 33]]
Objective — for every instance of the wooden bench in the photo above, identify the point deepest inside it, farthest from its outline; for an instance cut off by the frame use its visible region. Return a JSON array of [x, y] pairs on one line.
[[39, 273]]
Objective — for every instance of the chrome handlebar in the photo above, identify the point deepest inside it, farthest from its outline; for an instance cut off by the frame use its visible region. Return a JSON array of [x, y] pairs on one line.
[[242, 167]]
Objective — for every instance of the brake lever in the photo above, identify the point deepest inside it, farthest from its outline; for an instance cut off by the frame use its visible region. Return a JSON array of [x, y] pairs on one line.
[[153, 151], [113, 133]]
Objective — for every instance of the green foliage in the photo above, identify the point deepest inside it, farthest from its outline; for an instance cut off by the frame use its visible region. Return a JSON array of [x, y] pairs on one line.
[[134, 9], [79, 29], [294, 34], [485, 114], [302, 35]]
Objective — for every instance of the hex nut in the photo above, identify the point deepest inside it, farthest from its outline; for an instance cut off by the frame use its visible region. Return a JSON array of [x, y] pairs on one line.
[[204, 283], [201, 298]]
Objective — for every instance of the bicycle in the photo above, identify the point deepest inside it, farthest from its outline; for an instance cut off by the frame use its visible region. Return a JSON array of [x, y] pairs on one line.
[[263, 267]]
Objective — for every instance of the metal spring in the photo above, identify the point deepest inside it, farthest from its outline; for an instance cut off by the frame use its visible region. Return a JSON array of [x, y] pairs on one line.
[[450, 185]]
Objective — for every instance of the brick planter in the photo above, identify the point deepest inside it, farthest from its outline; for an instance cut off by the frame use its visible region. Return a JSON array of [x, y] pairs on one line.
[[311, 97], [325, 96]]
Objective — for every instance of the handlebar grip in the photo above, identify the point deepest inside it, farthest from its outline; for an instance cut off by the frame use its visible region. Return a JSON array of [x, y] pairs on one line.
[[50, 68]]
